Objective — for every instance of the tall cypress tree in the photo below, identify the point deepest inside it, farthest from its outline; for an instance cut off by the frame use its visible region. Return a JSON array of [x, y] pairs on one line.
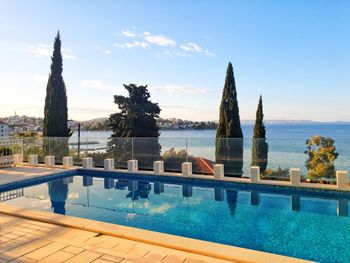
[[260, 146], [56, 110], [229, 135]]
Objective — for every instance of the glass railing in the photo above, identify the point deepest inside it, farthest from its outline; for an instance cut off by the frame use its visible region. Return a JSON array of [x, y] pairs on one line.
[[274, 156]]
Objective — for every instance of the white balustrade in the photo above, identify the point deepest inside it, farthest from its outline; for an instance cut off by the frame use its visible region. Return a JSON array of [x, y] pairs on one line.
[[87, 163], [294, 175], [186, 169], [108, 164], [254, 174], [133, 166], [49, 160], [219, 171], [158, 167], [67, 162]]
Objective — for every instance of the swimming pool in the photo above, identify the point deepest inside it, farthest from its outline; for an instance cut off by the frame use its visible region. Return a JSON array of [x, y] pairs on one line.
[[308, 224]]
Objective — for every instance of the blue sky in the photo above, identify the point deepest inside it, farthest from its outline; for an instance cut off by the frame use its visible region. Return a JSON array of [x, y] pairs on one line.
[[295, 53]]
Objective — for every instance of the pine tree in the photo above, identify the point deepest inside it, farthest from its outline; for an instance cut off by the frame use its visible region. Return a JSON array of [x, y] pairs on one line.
[[260, 146], [56, 110], [135, 132], [229, 135]]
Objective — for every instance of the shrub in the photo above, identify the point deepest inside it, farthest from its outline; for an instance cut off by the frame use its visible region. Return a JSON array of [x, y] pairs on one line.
[[321, 156]]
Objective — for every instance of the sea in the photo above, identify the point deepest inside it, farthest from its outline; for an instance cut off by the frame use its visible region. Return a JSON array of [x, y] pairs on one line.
[[287, 143]]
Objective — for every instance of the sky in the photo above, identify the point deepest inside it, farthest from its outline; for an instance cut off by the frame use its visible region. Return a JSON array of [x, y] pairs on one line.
[[294, 53]]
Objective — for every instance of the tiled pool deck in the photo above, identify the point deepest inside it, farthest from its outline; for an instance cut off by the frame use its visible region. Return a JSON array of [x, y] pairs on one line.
[[37, 236], [23, 240]]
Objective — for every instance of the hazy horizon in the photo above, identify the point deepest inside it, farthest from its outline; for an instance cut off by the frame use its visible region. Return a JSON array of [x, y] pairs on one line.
[[295, 53]]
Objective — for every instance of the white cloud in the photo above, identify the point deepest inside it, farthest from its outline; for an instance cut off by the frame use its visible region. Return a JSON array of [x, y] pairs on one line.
[[107, 52], [132, 44], [147, 39], [159, 40], [193, 47], [177, 89], [40, 78], [98, 85], [128, 33], [173, 54], [44, 50]]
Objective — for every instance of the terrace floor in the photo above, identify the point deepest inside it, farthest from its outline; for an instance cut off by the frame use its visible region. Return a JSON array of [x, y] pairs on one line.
[[19, 173], [23, 240]]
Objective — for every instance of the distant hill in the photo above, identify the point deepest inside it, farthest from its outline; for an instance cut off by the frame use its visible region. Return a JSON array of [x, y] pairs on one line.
[[245, 122], [97, 120], [300, 122]]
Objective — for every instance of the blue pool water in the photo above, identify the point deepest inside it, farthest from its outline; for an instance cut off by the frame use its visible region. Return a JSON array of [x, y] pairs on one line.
[[312, 225]]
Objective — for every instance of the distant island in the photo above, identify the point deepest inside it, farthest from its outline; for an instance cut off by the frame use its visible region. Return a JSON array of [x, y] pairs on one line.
[[20, 124]]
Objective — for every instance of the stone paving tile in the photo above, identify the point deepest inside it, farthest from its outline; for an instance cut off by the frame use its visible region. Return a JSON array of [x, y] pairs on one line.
[[192, 260], [124, 247], [69, 245], [57, 257], [139, 250], [73, 249], [114, 253], [24, 249], [108, 241], [216, 260], [99, 260], [112, 258], [172, 259], [45, 251], [22, 260], [154, 256], [93, 241], [84, 257], [8, 246], [82, 237]]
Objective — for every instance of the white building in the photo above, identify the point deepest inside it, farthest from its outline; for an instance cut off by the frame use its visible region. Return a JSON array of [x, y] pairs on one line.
[[5, 130]]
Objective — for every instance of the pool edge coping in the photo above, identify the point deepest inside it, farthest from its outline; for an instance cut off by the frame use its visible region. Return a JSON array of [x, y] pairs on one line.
[[189, 245], [303, 185]]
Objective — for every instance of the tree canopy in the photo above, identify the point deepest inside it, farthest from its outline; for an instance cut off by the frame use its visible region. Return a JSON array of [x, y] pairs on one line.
[[56, 110], [137, 116], [260, 146], [229, 135], [135, 132]]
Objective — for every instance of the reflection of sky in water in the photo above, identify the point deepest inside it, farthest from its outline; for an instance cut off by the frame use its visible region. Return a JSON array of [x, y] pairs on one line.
[[300, 226]]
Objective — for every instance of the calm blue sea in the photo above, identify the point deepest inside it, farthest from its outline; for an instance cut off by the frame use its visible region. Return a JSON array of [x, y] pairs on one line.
[[274, 131], [286, 143]]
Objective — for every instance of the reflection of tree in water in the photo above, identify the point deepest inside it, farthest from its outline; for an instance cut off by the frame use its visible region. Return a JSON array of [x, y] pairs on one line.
[[142, 191], [58, 192], [231, 196]]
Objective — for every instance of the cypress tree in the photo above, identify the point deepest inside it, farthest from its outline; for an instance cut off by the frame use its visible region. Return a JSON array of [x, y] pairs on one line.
[[260, 146], [229, 135], [56, 111]]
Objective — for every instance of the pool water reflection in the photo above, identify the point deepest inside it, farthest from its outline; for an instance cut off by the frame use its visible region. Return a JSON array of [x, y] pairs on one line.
[[304, 226]]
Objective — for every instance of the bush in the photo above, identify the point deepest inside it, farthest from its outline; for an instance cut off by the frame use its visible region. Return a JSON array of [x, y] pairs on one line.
[[321, 156], [281, 174]]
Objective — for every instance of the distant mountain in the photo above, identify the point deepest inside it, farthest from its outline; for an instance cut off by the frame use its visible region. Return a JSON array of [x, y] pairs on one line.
[[244, 122], [296, 122]]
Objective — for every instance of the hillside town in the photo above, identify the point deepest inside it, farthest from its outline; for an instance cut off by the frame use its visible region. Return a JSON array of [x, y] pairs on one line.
[[17, 124]]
